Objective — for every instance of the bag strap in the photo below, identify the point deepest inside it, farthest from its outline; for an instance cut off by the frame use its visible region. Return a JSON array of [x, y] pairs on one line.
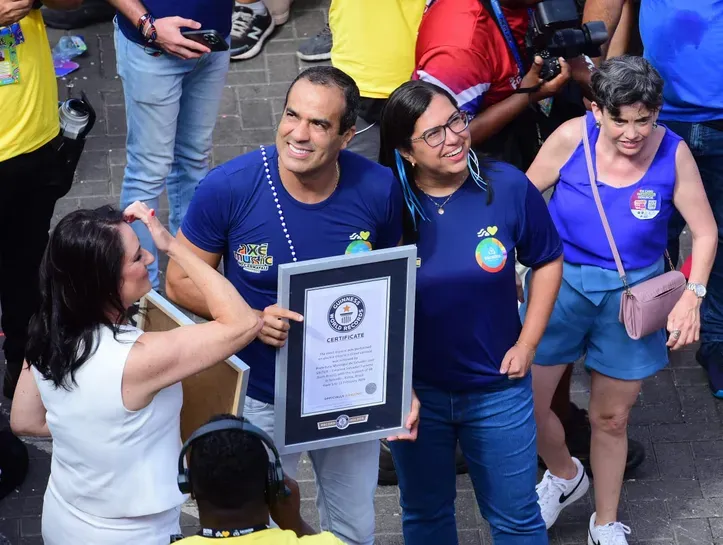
[[600, 209]]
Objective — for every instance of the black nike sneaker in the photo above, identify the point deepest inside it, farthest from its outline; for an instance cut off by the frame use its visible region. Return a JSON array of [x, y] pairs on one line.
[[249, 32]]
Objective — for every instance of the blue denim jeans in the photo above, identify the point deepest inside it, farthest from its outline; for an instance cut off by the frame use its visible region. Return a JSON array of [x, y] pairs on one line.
[[496, 432], [706, 143], [171, 108]]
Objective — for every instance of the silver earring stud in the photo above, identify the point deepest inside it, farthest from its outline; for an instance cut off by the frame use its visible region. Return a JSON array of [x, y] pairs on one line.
[[598, 124], [655, 125]]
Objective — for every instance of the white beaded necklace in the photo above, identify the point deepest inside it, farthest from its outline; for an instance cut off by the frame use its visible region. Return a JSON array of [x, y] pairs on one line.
[[278, 204]]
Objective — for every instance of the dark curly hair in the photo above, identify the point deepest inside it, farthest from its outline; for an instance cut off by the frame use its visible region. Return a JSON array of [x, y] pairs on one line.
[[627, 80], [229, 468]]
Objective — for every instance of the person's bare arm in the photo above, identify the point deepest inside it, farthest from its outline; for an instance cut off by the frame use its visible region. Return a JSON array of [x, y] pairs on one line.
[[27, 416], [691, 201], [490, 121], [183, 292], [180, 288], [544, 285], [544, 172], [160, 359], [11, 11], [168, 29], [620, 40], [607, 11]]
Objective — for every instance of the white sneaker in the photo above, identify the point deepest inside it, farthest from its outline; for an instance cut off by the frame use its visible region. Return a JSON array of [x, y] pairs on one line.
[[554, 493], [611, 534]]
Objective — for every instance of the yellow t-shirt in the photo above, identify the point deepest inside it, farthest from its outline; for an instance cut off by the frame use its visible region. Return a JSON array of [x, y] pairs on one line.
[[29, 108], [272, 536], [373, 42]]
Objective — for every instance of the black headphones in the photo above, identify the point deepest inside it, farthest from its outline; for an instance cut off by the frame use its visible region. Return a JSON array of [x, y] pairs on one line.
[[275, 488]]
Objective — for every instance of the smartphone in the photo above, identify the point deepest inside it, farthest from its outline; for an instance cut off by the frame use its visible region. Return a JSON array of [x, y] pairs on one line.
[[210, 38]]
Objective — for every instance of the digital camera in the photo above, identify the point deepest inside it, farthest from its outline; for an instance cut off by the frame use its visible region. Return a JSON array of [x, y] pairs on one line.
[[556, 31]]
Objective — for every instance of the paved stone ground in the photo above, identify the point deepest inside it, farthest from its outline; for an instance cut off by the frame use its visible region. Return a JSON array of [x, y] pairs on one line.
[[675, 497]]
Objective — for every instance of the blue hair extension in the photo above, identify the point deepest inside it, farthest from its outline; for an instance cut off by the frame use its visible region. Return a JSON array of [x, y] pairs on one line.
[[474, 170], [410, 198]]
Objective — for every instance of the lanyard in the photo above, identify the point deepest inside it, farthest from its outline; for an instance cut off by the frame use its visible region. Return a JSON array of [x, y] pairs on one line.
[[507, 33], [216, 533]]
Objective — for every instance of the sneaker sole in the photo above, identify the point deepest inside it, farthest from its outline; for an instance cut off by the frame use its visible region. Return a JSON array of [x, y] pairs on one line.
[[579, 493], [312, 58], [255, 50]]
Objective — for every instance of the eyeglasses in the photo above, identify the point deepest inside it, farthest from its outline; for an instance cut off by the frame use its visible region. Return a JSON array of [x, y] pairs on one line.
[[436, 136]]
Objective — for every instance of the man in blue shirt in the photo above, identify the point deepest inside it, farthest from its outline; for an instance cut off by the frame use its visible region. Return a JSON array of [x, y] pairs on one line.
[[683, 40], [304, 198], [173, 88]]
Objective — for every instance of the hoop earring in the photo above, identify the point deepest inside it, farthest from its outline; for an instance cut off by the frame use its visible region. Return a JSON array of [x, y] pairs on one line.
[[655, 125]]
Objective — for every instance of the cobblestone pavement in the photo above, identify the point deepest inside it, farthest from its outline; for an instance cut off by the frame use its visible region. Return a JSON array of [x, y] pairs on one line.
[[675, 497]]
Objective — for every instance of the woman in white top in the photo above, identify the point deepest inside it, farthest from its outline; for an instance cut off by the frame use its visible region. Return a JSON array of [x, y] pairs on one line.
[[108, 393]]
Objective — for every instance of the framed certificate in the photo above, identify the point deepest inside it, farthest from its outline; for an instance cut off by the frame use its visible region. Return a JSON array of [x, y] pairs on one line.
[[345, 373]]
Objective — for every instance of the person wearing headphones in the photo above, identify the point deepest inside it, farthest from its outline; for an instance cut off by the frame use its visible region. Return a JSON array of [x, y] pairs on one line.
[[237, 487]]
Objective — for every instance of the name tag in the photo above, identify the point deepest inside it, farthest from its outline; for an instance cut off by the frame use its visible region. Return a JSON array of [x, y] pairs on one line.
[[10, 37]]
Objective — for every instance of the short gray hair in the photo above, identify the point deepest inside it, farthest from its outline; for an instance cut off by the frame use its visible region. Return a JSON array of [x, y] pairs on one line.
[[627, 80]]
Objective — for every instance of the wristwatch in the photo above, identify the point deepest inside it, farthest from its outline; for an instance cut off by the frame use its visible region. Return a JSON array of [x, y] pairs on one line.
[[698, 289]]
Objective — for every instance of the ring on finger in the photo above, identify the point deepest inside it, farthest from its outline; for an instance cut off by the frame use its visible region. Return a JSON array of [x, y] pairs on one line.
[[675, 334]]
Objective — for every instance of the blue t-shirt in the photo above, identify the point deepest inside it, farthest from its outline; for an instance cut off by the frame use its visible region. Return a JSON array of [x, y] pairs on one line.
[[212, 14], [684, 41], [233, 213], [466, 308]]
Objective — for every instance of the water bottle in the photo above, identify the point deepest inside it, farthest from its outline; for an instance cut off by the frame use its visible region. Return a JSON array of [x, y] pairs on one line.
[[74, 117], [69, 47]]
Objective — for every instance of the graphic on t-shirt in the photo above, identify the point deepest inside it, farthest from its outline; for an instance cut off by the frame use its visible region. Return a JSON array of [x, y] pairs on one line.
[[254, 258], [645, 204], [490, 253], [359, 243], [490, 231]]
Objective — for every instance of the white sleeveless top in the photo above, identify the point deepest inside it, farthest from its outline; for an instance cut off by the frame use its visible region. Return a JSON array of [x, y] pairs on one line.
[[108, 461]]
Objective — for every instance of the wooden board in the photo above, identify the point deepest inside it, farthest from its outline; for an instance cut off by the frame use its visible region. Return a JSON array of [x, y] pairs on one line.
[[218, 389]]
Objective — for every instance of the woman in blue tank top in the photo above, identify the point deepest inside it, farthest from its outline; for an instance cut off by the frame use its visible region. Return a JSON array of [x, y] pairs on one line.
[[643, 172]]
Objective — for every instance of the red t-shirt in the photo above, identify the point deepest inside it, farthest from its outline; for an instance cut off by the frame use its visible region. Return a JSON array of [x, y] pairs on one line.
[[461, 48]]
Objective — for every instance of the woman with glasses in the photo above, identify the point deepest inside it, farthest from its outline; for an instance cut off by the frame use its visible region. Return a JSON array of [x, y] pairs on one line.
[[471, 355]]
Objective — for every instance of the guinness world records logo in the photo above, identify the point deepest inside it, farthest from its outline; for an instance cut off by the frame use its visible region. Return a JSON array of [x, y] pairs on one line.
[[346, 313]]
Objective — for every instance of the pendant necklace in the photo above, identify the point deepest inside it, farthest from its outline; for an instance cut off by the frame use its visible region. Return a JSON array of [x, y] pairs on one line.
[[440, 207]]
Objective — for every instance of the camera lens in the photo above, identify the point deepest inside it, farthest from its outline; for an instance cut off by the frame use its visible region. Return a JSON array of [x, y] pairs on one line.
[[210, 38]]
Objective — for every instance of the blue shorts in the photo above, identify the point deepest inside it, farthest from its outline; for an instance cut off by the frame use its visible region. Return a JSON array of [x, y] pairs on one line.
[[589, 325]]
